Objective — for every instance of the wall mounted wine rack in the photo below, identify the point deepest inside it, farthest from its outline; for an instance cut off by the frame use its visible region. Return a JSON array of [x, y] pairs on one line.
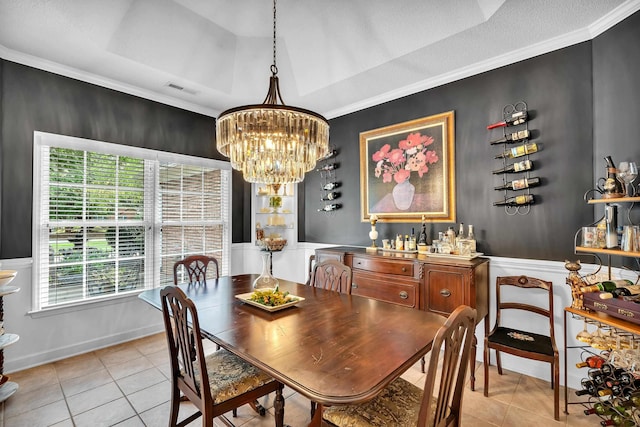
[[329, 183], [516, 165]]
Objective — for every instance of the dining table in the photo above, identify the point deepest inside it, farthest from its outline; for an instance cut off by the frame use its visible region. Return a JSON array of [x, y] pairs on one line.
[[331, 347]]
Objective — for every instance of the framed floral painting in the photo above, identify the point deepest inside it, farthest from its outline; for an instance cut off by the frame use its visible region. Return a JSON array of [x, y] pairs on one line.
[[407, 171]]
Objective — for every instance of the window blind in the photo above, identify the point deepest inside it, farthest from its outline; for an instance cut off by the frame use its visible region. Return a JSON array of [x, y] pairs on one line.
[[111, 219]]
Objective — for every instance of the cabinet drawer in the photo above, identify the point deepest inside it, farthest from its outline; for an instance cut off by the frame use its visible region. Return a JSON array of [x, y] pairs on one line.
[[378, 265], [394, 291], [445, 290]]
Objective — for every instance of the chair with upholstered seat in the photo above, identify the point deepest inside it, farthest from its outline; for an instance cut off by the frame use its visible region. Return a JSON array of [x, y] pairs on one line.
[[520, 342], [216, 383], [312, 262], [332, 275], [404, 404], [196, 268]]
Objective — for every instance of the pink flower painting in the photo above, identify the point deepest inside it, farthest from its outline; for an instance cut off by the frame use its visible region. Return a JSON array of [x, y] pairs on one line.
[[412, 155]]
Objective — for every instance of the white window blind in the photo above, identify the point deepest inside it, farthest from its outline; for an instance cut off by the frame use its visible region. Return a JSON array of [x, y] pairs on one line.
[[194, 206], [111, 220]]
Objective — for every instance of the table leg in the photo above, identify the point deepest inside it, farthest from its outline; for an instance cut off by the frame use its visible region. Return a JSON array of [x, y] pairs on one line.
[[316, 421], [566, 386], [472, 363]]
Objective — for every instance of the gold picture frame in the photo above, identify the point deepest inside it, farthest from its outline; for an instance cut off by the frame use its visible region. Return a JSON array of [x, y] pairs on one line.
[[407, 171]]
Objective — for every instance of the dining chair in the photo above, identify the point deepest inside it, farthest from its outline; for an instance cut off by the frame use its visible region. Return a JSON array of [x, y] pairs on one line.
[[331, 275], [196, 267], [519, 342], [216, 383], [402, 403], [312, 262]]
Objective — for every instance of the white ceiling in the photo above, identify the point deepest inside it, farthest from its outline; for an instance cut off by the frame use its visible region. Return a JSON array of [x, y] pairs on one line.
[[333, 56]]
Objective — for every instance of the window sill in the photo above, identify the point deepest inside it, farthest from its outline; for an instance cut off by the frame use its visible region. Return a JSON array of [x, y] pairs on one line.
[[84, 305]]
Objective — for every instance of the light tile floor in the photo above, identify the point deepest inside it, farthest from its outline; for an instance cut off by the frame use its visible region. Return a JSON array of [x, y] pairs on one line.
[[127, 385]]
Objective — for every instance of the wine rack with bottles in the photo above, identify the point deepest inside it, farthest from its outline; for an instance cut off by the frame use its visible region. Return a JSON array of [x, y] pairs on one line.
[[516, 166], [329, 183], [610, 359]]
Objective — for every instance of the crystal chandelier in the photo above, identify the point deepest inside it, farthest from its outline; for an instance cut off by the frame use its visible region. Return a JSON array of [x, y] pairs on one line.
[[272, 143]]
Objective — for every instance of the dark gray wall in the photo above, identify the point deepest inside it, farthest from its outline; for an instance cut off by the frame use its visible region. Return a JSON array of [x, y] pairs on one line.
[[36, 100], [558, 90], [616, 93]]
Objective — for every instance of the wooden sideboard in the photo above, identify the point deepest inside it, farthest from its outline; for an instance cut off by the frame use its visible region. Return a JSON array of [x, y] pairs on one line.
[[418, 281]]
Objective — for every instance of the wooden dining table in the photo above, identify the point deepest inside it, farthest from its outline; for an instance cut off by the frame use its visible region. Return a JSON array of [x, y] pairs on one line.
[[332, 348]]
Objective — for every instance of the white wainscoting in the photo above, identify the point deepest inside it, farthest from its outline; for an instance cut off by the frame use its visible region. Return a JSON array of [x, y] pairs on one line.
[[64, 333]]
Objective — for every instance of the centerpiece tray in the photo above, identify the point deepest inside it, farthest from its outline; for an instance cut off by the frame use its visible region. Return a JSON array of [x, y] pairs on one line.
[[246, 298]]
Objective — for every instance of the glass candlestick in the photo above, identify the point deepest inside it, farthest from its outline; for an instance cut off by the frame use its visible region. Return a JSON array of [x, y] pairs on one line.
[[266, 280]]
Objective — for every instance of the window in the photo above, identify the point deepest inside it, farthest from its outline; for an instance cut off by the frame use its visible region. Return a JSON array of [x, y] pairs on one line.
[[110, 220]]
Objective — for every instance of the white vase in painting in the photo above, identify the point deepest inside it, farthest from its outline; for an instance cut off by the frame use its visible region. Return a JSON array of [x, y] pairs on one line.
[[403, 195]]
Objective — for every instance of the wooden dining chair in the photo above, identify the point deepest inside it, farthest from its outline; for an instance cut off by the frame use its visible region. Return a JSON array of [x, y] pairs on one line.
[[519, 342], [312, 262], [404, 404], [196, 268], [216, 383], [332, 275]]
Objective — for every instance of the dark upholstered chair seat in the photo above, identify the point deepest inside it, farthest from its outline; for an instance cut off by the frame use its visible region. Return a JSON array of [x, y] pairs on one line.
[[230, 376], [522, 340], [397, 405]]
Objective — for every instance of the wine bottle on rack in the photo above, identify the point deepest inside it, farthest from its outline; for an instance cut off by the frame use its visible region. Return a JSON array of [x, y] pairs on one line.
[[607, 285], [519, 184], [600, 408], [330, 154], [330, 186], [525, 199], [618, 419], [588, 387], [519, 151], [513, 119], [330, 196], [327, 167], [512, 137], [594, 361], [329, 208], [522, 166]]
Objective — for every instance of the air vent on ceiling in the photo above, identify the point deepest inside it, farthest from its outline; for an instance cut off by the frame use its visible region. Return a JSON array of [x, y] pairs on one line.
[[181, 88]]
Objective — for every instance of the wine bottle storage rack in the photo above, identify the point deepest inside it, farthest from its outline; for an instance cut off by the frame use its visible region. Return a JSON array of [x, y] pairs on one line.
[[329, 184], [515, 137], [610, 389]]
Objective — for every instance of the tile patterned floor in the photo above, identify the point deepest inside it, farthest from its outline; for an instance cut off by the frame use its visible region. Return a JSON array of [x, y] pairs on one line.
[[127, 386]]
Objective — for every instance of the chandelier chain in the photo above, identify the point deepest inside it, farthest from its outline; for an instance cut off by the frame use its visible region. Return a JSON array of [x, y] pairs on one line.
[[274, 67]]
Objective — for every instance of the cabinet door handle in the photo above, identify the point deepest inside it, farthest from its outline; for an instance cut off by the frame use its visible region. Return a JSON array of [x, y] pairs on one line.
[[404, 295], [404, 269], [359, 263], [354, 286], [445, 293]]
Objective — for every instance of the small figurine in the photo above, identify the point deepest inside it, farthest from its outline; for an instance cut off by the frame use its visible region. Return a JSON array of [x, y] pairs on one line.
[[575, 281], [422, 239]]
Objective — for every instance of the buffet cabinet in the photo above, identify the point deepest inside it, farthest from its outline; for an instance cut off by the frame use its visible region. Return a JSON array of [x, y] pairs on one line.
[[414, 280]]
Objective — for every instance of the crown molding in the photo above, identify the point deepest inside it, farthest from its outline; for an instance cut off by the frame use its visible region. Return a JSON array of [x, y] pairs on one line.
[[617, 15], [508, 58], [62, 70]]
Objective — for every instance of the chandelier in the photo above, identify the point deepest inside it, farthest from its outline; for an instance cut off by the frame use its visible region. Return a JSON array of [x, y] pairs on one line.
[[272, 143]]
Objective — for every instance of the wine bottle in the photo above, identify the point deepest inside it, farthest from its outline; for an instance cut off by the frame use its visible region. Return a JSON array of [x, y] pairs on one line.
[[594, 361], [330, 154], [512, 137], [519, 151], [588, 387], [471, 237], [522, 166], [513, 119], [618, 419], [600, 408], [519, 184], [621, 292], [607, 285], [612, 187], [330, 186], [330, 196], [525, 199], [331, 207], [327, 167]]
